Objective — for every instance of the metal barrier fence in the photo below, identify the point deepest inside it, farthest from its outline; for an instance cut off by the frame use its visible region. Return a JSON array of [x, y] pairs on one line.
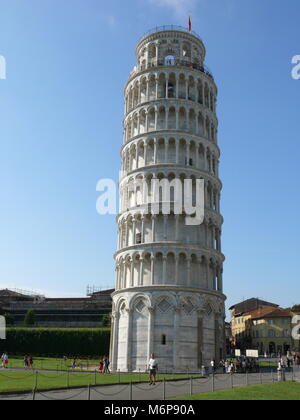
[[164, 389]]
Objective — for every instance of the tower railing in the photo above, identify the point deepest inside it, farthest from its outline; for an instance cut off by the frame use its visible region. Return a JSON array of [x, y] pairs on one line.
[[169, 28], [173, 63]]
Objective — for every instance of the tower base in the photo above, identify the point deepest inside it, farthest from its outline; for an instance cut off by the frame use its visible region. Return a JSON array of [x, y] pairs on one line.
[[183, 328]]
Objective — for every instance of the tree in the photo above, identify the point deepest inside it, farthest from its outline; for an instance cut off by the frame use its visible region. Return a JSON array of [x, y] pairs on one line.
[[106, 320], [9, 318], [29, 319]]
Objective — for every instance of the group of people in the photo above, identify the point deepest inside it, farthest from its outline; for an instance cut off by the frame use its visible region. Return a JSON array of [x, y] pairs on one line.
[[104, 365], [236, 366], [28, 362], [4, 360]]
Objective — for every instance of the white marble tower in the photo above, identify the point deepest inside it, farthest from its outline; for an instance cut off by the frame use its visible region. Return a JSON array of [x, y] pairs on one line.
[[169, 291]]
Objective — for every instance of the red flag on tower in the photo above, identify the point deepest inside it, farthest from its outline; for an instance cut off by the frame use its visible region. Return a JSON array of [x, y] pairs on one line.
[[190, 24]]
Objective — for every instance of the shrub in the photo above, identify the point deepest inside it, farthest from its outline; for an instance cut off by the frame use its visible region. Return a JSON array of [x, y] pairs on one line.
[[56, 342], [29, 319]]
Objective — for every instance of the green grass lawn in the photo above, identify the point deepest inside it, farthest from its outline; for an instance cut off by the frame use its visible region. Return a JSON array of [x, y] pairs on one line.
[[287, 391], [55, 364], [25, 381]]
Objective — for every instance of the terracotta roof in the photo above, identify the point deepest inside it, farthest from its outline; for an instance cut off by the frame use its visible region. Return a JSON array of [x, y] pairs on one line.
[[280, 313], [251, 305], [270, 312]]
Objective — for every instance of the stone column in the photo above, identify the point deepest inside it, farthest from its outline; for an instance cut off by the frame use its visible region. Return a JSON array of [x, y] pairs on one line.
[[147, 90], [143, 230], [115, 341], [155, 151], [152, 270], [145, 153], [164, 269], [167, 119], [189, 272], [131, 272], [127, 233], [208, 276], [147, 122], [177, 270], [176, 341], [138, 124], [177, 152], [128, 361], [134, 231], [153, 228], [123, 275], [177, 118], [188, 153], [197, 156], [166, 150], [141, 276], [167, 87], [150, 332], [177, 220], [166, 227]]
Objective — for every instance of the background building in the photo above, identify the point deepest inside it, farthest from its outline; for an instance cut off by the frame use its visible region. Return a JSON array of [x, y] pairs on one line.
[[59, 312], [169, 290], [271, 331], [240, 316], [257, 324]]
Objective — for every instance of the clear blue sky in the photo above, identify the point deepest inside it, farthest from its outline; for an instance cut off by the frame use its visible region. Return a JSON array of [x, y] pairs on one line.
[[61, 111]]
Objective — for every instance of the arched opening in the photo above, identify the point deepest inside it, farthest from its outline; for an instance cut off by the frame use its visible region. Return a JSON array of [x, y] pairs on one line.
[[169, 60], [162, 86], [172, 86]]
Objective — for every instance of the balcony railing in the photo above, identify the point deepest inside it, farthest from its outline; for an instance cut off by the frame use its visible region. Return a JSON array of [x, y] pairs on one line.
[[173, 63], [170, 28]]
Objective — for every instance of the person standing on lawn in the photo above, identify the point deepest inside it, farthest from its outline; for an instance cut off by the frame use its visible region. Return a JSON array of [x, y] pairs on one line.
[[153, 367], [5, 361]]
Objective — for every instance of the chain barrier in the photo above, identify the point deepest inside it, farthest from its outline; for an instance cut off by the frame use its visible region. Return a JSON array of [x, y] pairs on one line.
[[202, 381], [51, 377], [110, 395], [149, 388], [9, 377], [178, 386], [60, 399], [217, 378]]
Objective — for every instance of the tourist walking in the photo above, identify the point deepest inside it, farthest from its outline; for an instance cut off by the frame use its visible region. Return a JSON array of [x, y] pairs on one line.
[[101, 366], [5, 360], [153, 367], [26, 362], [106, 365]]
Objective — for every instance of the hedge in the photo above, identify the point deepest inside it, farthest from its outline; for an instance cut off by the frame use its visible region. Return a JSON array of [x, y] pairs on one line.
[[51, 342]]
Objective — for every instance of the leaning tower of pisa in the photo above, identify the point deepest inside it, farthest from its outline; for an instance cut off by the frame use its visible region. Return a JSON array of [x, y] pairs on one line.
[[169, 292]]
